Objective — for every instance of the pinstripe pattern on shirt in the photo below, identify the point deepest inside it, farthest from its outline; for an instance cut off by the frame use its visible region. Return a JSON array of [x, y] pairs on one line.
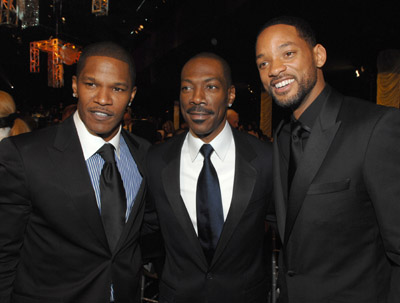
[[129, 173]]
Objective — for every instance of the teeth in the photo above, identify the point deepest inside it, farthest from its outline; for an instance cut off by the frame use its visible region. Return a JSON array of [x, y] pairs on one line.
[[101, 114], [284, 83]]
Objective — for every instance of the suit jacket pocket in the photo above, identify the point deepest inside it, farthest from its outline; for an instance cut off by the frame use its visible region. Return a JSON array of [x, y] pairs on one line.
[[326, 188]]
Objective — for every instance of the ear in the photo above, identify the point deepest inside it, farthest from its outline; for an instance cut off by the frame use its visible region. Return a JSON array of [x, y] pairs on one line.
[[231, 95], [319, 55], [133, 94], [74, 85]]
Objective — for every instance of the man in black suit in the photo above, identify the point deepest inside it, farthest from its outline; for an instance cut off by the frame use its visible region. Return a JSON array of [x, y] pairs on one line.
[[339, 218], [214, 253], [61, 238]]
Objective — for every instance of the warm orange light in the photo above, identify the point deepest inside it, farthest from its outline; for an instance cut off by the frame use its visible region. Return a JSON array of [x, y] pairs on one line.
[[58, 53]]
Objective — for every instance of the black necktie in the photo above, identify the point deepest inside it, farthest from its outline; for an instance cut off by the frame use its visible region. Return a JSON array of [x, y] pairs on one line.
[[210, 218], [112, 196], [296, 148]]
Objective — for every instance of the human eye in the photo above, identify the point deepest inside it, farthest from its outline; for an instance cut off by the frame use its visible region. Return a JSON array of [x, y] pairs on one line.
[[119, 89], [289, 54], [212, 86], [185, 88], [262, 65], [89, 84]]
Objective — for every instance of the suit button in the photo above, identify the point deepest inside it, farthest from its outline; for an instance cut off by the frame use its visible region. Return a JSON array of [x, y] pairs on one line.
[[209, 276], [291, 273]]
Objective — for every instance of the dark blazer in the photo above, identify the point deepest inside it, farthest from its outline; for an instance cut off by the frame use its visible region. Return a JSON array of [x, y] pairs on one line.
[[53, 247], [238, 270], [341, 226]]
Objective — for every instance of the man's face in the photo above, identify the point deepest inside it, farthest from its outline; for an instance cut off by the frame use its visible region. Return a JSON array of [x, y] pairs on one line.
[[104, 90], [205, 97], [286, 64]]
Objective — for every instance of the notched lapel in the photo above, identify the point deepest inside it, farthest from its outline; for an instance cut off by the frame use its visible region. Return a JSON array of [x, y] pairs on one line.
[[67, 151], [279, 195], [322, 135], [139, 199], [171, 182], [243, 187]]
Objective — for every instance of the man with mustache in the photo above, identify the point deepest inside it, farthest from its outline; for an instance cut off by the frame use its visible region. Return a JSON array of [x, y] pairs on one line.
[[210, 188], [336, 177], [68, 229]]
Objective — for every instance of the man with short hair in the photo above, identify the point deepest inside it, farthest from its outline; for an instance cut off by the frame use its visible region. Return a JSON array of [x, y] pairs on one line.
[[72, 195], [336, 177], [210, 188]]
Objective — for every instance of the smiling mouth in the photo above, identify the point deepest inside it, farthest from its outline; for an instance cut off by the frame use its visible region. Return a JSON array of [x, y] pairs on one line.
[[283, 83]]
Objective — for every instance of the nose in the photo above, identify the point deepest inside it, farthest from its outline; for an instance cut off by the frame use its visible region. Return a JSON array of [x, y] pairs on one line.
[[103, 96], [198, 96], [276, 67]]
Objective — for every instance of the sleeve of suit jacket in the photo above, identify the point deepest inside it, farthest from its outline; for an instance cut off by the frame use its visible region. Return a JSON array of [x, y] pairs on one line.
[[14, 214], [382, 176]]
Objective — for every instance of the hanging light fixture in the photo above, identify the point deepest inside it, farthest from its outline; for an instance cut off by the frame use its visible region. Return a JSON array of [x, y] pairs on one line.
[[58, 53], [100, 7], [8, 13]]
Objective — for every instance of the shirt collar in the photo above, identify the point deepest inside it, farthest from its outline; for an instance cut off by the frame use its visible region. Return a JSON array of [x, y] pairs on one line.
[[310, 115], [220, 143], [91, 143]]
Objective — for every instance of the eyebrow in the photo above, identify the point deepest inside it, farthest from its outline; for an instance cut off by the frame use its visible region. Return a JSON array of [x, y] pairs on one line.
[[279, 47], [205, 80], [125, 84]]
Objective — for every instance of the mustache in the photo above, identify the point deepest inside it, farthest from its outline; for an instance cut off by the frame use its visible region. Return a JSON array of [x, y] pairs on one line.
[[199, 109]]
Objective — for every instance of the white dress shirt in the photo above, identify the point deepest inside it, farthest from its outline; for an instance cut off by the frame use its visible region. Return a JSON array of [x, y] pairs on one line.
[[223, 159], [91, 143], [4, 132]]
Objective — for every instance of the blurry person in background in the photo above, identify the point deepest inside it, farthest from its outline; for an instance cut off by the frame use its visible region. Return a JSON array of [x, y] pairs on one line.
[[233, 118], [68, 111], [168, 128], [10, 123]]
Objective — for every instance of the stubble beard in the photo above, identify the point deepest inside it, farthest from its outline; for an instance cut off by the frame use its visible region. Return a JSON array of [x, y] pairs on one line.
[[293, 102]]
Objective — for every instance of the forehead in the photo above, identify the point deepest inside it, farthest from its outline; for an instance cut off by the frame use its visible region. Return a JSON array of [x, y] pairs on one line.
[[104, 64], [279, 35], [203, 68]]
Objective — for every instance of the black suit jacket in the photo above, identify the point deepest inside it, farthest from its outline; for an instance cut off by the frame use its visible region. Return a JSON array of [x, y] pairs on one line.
[[341, 226], [53, 246], [238, 271]]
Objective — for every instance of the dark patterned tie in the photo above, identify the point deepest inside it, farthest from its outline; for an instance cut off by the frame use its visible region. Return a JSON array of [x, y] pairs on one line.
[[210, 217], [112, 196], [296, 148]]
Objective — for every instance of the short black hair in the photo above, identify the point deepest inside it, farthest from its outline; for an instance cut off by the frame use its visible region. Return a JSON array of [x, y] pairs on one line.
[[107, 49], [303, 28], [225, 66]]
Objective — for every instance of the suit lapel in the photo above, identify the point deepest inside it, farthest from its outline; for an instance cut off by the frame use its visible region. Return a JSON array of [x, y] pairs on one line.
[[171, 182], [279, 194], [138, 203], [243, 186], [65, 152], [322, 135]]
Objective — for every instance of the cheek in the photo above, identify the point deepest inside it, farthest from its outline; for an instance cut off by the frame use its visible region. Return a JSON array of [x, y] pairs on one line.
[[264, 76]]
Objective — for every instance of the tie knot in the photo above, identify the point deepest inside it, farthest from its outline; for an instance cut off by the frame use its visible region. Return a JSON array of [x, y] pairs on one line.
[[297, 129], [206, 150], [107, 153]]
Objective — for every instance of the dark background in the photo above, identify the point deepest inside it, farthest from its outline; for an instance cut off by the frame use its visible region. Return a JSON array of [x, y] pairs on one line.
[[353, 32]]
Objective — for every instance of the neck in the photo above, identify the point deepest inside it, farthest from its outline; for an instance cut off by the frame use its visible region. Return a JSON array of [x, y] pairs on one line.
[[310, 98]]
